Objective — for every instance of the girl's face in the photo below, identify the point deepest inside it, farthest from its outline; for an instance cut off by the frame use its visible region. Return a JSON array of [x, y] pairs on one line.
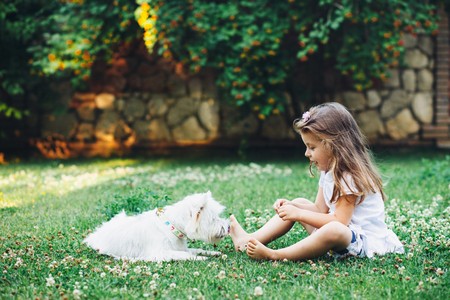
[[316, 151]]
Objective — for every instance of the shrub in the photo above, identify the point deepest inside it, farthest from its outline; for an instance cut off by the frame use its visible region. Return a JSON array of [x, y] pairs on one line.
[[256, 43]]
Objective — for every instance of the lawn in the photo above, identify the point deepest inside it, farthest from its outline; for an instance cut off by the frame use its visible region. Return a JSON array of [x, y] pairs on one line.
[[48, 207]]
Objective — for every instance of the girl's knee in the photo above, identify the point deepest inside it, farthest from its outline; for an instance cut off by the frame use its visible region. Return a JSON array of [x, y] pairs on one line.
[[336, 233], [301, 201]]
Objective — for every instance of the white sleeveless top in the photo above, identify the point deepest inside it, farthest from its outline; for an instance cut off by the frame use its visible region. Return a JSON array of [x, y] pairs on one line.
[[368, 218]]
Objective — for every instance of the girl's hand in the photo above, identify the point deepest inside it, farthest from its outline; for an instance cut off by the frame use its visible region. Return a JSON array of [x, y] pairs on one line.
[[279, 203], [289, 212]]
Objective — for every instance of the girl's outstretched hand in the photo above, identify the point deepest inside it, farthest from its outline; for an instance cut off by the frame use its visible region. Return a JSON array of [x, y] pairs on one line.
[[289, 212], [278, 203]]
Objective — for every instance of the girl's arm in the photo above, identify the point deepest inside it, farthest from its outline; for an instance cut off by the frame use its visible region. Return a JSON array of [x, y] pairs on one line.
[[319, 206], [345, 206]]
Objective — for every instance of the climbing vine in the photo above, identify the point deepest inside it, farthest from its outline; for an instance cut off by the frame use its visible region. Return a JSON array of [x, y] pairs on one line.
[[253, 44], [250, 41]]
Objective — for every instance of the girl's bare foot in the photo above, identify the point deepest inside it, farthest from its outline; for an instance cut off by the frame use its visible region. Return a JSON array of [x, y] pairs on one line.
[[238, 235], [257, 250]]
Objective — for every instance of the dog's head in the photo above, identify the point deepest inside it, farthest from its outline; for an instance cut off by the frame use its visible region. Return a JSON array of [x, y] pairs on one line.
[[202, 218]]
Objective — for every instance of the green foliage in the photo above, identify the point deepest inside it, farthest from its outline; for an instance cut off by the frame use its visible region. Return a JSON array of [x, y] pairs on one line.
[[440, 167], [18, 29], [79, 32], [253, 44], [41, 40], [256, 44]]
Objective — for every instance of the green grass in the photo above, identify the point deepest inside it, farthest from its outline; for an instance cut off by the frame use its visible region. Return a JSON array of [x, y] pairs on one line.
[[48, 207]]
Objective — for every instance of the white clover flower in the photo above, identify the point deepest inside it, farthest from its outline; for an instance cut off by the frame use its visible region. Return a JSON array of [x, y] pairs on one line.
[[196, 273], [137, 270], [77, 294], [258, 291], [172, 285], [19, 262], [153, 285], [221, 274], [224, 256], [440, 272], [50, 280], [102, 274], [155, 276]]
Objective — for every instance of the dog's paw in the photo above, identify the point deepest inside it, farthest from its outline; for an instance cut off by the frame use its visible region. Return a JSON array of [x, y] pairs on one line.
[[213, 253]]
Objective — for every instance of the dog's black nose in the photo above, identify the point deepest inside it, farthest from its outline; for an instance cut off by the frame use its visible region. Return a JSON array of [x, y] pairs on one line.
[[223, 232]]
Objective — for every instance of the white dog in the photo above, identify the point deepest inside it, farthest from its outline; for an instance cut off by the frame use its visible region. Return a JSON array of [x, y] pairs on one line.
[[161, 234]]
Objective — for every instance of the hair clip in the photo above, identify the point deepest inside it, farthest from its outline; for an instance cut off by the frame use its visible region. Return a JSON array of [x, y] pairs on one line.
[[306, 116]]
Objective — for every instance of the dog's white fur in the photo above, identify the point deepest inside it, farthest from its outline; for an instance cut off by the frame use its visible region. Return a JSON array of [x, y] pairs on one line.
[[146, 237]]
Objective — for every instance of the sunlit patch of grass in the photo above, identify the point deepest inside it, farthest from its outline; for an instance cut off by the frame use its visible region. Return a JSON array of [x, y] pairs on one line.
[[5, 203]]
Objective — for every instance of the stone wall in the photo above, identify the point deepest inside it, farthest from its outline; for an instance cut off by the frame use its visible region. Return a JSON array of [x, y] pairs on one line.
[[143, 101], [397, 112]]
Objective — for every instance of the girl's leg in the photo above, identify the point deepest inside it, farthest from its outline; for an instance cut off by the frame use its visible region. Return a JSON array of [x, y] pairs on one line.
[[332, 236], [308, 205], [272, 230]]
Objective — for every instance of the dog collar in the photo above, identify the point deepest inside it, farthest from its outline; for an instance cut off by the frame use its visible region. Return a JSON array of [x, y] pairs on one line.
[[178, 233]]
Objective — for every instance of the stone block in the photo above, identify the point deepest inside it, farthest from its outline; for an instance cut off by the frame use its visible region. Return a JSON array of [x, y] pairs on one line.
[[105, 101], [189, 131], [208, 114], [397, 100], [425, 80], [422, 106], [402, 125], [409, 80], [416, 59], [354, 100]]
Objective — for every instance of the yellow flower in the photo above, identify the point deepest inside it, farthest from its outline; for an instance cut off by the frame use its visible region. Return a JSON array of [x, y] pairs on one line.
[[86, 55], [147, 26], [261, 116], [144, 15], [51, 57], [271, 101], [145, 6]]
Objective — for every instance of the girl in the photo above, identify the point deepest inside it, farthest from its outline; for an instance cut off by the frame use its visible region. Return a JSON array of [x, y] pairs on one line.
[[347, 217]]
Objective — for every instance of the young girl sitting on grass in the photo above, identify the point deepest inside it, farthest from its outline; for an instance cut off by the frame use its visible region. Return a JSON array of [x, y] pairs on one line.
[[347, 217]]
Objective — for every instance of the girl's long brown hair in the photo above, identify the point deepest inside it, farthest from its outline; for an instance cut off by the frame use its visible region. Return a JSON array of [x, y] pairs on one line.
[[335, 126]]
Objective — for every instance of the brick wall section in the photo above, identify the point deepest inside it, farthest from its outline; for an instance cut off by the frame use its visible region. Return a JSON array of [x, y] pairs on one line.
[[440, 129]]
